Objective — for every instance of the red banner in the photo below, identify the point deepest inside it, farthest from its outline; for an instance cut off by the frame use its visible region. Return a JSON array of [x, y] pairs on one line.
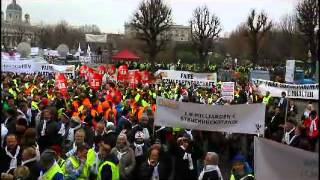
[[102, 69], [83, 70], [111, 69], [134, 78], [145, 77]]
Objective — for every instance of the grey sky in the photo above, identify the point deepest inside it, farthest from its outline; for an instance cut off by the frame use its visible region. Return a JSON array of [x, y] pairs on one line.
[[110, 15]]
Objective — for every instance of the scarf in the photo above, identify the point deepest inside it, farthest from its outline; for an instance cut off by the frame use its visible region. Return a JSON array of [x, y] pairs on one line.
[[138, 151], [187, 156], [313, 126], [287, 136], [71, 131], [62, 130], [155, 173], [13, 162], [281, 102], [189, 133], [146, 133], [120, 154], [29, 160], [209, 168], [44, 127]]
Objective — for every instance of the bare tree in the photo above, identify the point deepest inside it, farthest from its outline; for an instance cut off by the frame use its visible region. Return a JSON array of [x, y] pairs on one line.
[[288, 25], [205, 28], [151, 21], [21, 32], [257, 27], [308, 24]]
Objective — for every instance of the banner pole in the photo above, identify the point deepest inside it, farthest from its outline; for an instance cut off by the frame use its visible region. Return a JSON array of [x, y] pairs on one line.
[[285, 115]]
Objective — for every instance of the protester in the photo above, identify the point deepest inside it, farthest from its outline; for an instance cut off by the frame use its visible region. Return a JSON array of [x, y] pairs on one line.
[[30, 160], [75, 165], [125, 156], [240, 169], [50, 168], [13, 152], [211, 170], [107, 165]]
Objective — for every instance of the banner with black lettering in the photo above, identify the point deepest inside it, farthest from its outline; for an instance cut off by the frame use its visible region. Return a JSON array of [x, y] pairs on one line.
[[187, 78], [296, 91], [51, 69], [276, 161], [25, 66], [244, 118]]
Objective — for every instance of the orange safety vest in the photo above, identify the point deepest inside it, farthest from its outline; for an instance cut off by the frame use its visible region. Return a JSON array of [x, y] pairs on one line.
[[140, 112]]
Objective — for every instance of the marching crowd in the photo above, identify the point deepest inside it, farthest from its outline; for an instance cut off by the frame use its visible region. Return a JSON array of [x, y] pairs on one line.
[[109, 134]]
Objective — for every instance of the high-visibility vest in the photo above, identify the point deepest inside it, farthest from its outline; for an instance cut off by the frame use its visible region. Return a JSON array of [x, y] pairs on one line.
[[91, 157], [114, 170], [75, 164], [233, 178], [61, 162], [52, 171], [266, 99]]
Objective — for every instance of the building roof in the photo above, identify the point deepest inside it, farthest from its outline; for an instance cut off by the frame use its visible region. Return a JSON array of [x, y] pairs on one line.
[[14, 6]]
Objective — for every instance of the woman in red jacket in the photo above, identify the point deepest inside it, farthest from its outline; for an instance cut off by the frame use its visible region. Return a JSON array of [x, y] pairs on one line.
[[311, 124]]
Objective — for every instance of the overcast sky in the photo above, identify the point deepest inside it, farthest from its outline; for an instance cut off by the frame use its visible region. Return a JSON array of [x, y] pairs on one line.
[[110, 15]]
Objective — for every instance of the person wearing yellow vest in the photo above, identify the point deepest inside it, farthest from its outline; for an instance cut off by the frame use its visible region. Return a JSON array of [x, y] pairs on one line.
[[51, 169], [241, 169], [76, 166], [266, 98], [107, 164]]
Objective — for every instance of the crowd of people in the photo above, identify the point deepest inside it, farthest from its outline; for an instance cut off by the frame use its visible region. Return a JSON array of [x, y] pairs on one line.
[[109, 134]]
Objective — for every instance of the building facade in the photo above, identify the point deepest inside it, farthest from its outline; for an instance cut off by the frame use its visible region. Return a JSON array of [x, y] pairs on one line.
[[15, 29], [176, 33]]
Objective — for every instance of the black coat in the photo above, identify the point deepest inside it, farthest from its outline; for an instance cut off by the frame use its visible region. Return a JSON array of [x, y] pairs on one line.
[[110, 138], [51, 136], [182, 170], [34, 169], [211, 175], [5, 159], [146, 170]]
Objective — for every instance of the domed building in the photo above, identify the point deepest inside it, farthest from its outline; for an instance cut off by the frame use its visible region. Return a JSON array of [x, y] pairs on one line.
[[15, 29]]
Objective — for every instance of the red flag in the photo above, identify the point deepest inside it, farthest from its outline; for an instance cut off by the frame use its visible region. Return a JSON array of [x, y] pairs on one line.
[[61, 83], [122, 73], [95, 81], [145, 77], [111, 69], [101, 69], [134, 78], [83, 70]]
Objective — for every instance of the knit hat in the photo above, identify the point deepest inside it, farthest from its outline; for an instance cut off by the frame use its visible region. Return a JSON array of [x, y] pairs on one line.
[[238, 158]]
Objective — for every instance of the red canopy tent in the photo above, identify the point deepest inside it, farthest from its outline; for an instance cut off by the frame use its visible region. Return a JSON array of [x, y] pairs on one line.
[[125, 55]]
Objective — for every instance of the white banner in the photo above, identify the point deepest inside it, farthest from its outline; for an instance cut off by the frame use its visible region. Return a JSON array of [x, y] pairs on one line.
[[31, 66], [227, 90], [303, 91], [188, 78], [50, 69], [276, 161], [290, 67], [23, 66], [244, 118], [96, 38]]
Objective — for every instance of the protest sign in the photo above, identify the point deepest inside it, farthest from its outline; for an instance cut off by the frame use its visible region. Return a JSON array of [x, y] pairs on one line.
[[187, 78], [227, 90], [244, 118], [303, 91], [290, 68], [25, 66], [276, 161]]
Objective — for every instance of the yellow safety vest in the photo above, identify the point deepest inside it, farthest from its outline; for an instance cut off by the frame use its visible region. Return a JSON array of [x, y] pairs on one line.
[[85, 171], [114, 169], [54, 169], [266, 100], [233, 178]]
